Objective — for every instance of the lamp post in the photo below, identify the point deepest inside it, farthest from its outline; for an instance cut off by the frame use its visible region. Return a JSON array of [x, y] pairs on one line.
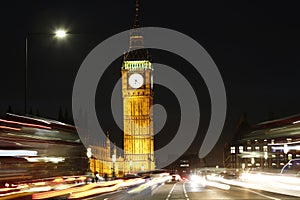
[[114, 165], [243, 166], [89, 155], [59, 34], [285, 151], [130, 164], [265, 157], [252, 162]]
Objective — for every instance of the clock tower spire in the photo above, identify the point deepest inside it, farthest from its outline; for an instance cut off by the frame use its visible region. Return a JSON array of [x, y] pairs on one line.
[[137, 92], [136, 41], [136, 23]]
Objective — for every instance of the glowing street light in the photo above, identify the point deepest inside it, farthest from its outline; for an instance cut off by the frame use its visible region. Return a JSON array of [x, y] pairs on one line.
[[114, 158], [89, 155], [60, 33]]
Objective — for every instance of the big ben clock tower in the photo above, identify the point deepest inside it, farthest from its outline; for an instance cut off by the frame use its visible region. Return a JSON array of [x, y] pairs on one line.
[[137, 92]]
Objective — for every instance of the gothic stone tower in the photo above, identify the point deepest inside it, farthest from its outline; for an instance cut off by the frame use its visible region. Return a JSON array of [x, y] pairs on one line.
[[137, 91]]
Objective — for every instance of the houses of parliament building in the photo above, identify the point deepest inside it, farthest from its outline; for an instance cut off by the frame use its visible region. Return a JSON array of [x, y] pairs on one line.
[[137, 94]]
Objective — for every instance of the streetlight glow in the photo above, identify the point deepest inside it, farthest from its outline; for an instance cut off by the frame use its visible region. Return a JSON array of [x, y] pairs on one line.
[[60, 33]]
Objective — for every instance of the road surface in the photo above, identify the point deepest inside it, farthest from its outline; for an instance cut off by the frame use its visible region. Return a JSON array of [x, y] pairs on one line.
[[192, 191]]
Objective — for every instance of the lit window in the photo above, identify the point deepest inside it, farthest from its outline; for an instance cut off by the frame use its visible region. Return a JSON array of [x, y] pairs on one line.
[[273, 156], [265, 148], [232, 149], [272, 141], [273, 164], [290, 156], [248, 148], [256, 148], [241, 149]]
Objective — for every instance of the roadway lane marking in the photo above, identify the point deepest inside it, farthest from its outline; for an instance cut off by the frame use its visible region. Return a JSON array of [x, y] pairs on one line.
[[184, 190], [169, 195], [154, 190], [103, 195], [263, 195]]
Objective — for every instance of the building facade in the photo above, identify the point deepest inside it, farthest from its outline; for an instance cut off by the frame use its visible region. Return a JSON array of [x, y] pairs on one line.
[[137, 94], [268, 145], [105, 160], [137, 91]]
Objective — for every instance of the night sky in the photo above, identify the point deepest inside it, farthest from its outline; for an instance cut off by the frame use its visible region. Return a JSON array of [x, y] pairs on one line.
[[255, 45]]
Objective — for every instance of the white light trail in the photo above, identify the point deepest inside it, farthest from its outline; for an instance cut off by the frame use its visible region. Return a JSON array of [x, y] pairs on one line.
[[18, 153]]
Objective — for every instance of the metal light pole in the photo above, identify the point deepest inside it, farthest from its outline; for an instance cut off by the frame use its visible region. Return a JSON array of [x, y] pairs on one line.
[[89, 155], [59, 34], [89, 177], [26, 67], [114, 165], [130, 164]]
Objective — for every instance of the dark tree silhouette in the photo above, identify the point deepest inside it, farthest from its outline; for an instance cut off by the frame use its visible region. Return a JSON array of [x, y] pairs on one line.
[[38, 113], [30, 111], [66, 116], [242, 127], [9, 110], [60, 114]]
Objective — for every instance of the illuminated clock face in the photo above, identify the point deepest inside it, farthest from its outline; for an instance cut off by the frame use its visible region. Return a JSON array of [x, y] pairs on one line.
[[136, 80]]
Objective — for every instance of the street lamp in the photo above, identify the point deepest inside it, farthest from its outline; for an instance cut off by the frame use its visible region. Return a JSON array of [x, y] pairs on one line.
[[252, 161], [130, 164], [243, 166], [114, 165], [266, 157], [89, 155], [59, 34]]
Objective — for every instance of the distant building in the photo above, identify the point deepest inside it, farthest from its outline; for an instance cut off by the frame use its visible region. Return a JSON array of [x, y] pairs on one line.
[[185, 164], [102, 160], [270, 144]]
